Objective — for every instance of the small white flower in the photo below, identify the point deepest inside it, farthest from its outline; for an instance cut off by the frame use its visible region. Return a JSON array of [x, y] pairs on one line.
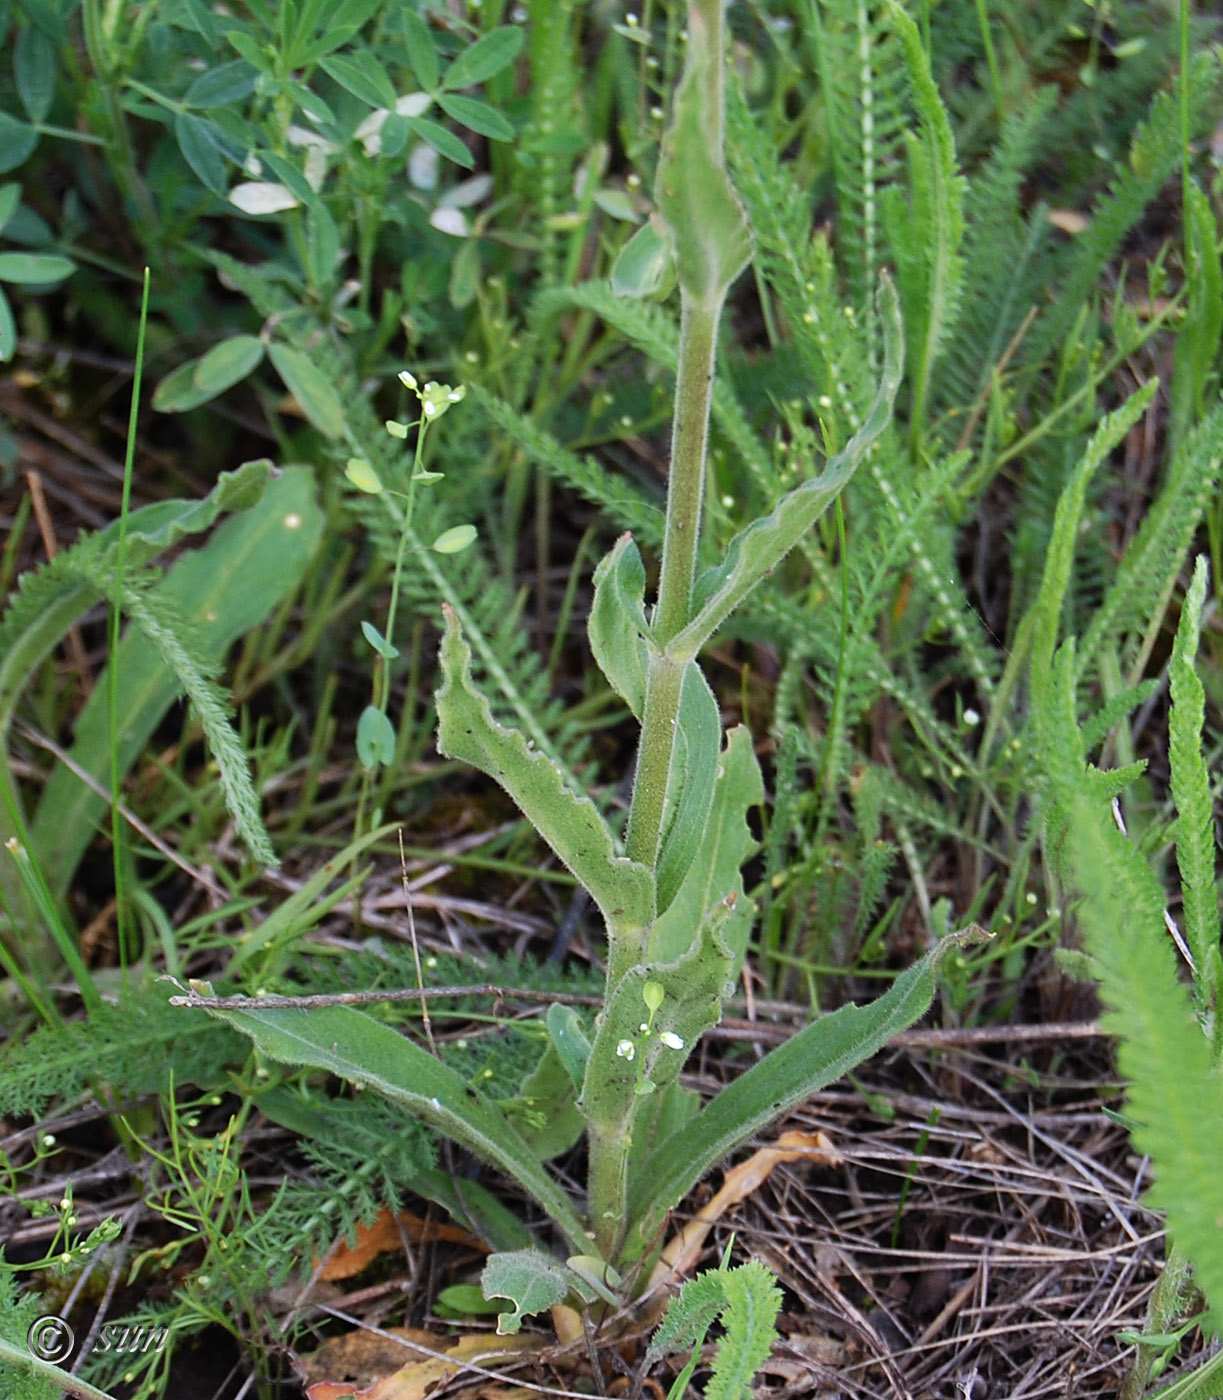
[[626, 1050], [971, 718], [671, 1040]]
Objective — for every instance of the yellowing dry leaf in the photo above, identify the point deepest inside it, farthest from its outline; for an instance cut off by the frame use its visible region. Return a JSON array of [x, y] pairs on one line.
[[383, 1237], [680, 1256]]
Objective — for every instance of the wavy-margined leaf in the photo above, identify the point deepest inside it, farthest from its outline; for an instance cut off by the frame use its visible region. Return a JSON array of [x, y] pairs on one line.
[[762, 546], [532, 1280], [819, 1054], [571, 825], [348, 1043], [156, 527], [725, 844]]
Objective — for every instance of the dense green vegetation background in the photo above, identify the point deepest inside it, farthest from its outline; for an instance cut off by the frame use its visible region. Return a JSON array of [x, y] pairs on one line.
[[326, 195]]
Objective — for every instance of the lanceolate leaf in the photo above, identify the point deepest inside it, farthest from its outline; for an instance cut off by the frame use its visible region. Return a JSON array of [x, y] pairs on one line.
[[715, 872], [310, 387], [617, 622], [571, 825], [821, 1053], [365, 1052], [698, 204], [762, 546], [693, 770]]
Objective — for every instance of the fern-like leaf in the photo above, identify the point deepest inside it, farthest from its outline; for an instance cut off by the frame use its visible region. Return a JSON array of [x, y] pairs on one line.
[[1195, 847]]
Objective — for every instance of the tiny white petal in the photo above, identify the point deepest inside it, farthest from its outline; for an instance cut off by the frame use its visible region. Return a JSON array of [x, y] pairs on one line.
[[262, 197], [449, 220], [413, 104], [303, 136], [468, 192], [671, 1040], [422, 167]]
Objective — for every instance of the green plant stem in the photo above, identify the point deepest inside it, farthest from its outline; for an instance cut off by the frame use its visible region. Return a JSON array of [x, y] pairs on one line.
[[685, 497], [21, 1359], [607, 1185]]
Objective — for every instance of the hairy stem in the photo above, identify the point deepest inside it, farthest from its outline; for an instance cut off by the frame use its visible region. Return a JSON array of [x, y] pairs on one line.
[[685, 499]]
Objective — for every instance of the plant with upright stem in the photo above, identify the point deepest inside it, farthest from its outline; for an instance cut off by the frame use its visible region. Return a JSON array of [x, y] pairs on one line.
[[671, 895]]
